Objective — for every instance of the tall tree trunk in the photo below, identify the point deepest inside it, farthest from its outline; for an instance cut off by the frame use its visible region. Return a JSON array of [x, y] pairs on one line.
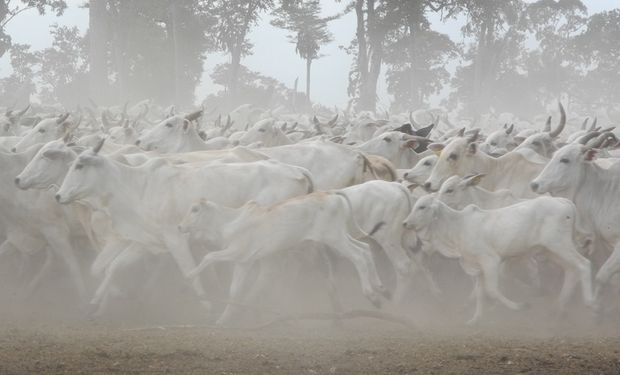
[[308, 69], [97, 51], [362, 51]]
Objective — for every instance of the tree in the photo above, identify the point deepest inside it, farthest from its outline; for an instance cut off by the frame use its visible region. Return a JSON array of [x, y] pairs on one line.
[[598, 51], [9, 11], [63, 67], [17, 88], [234, 19], [416, 56], [309, 31], [493, 56]]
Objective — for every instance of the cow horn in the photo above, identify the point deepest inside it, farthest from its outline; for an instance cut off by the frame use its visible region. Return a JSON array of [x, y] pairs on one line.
[[461, 132], [333, 121], [585, 123], [194, 115], [547, 128], [593, 125], [510, 129], [586, 138], [104, 120], [474, 135], [99, 145], [62, 118], [21, 113], [562, 123], [598, 142]]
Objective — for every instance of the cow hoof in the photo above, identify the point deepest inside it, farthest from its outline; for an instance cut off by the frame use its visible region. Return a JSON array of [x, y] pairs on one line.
[[385, 293], [375, 300], [473, 322], [523, 306]]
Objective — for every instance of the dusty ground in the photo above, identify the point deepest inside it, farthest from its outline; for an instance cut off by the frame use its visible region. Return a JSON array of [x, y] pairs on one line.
[[51, 336], [359, 347]]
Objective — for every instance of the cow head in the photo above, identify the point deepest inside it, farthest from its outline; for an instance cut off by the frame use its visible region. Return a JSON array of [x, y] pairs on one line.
[[265, 132], [456, 192], [391, 145], [206, 220], [455, 158], [10, 121], [45, 131], [48, 167], [167, 135], [423, 213], [500, 141], [565, 171], [422, 170], [84, 176]]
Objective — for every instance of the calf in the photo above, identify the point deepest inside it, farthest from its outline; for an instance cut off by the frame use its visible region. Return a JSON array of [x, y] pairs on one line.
[[471, 235], [253, 232]]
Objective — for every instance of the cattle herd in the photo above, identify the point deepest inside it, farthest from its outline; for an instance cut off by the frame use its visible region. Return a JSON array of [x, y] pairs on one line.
[[249, 189]]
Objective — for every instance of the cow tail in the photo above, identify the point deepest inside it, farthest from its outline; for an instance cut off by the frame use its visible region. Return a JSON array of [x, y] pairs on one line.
[[355, 230], [309, 179], [367, 166]]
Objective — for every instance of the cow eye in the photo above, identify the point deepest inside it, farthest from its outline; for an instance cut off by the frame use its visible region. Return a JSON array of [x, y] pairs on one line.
[[427, 163], [453, 157], [450, 191], [388, 140], [421, 207], [79, 166], [195, 209], [169, 125], [493, 144], [41, 130], [261, 130], [564, 160], [536, 143]]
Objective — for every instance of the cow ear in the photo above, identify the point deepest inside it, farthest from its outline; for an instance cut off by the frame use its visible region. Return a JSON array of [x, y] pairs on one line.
[[186, 123], [473, 179], [472, 148], [411, 187], [436, 147], [410, 144], [53, 154], [589, 154]]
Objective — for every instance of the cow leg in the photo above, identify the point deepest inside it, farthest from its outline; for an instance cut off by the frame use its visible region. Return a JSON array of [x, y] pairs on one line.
[[238, 289], [132, 254], [45, 268], [179, 248], [402, 265], [491, 283], [59, 241], [419, 263], [110, 251], [480, 300], [609, 268], [576, 267], [359, 254]]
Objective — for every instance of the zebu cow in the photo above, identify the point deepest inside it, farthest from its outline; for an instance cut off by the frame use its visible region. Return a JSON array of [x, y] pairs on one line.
[[132, 196], [33, 218], [397, 147], [459, 192], [461, 157], [389, 202], [421, 171], [253, 232], [544, 143], [178, 134], [46, 130], [573, 174], [472, 236], [265, 133], [9, 122], [499, 142]]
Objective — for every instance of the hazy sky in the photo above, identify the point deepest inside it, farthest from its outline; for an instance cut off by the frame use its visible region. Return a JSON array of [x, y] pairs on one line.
[[273, 54]]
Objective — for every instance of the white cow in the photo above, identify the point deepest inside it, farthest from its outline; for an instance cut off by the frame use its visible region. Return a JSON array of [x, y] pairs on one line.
[[46, 130], [513, 170], [573, 174], [483, 239], [145, 203], [253, 232]]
